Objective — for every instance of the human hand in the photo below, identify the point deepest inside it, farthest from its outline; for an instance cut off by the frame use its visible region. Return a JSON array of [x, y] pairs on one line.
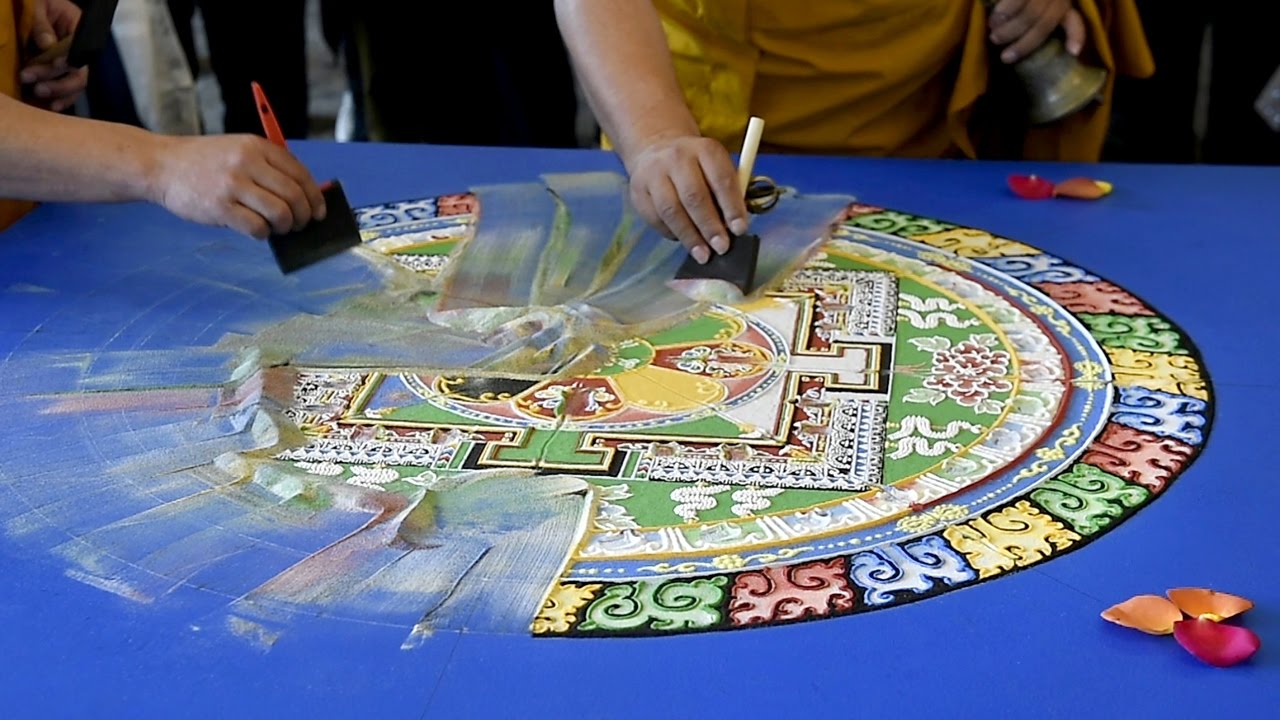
[[237, 181], [1024, 25], [687, 188], [54, 84]]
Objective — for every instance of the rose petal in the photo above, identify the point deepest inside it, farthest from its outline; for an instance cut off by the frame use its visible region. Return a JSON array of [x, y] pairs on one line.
[[1198, 602], [1217, 644], [1082, 188], [1030, 187], [1148, 613]]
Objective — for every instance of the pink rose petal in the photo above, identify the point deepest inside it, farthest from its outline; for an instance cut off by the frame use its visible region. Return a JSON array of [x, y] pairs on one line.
[[1214, 643]]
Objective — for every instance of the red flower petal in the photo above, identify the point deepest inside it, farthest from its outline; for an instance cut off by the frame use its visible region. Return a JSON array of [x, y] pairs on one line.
[[1214, 643], [1030, 187]]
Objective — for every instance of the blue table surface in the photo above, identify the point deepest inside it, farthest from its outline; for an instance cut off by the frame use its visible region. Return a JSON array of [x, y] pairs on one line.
[[1197, 243]]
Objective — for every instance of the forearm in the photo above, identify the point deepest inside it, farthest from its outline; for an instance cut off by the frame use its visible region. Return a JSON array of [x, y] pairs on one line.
[[620, 53], [49, 157]]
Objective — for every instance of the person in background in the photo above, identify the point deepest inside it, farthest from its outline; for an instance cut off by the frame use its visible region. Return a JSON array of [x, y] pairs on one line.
[[1155, 118], [237, 181], [108, 93], [141, 77], [488, 76], [673, 82], [252, 40]]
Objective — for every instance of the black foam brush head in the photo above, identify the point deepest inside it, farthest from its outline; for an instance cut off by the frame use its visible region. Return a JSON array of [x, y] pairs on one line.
[[737, 267], [321, 239]]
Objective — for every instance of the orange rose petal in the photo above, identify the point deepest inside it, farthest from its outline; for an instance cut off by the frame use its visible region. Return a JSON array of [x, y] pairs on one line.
[[1082, 189], [1148, 613], [1210, 604]]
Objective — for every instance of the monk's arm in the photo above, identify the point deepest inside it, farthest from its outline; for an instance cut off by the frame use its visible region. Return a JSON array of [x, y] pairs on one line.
[[684, 184], [622, 59], [242, 182], [45, 156]]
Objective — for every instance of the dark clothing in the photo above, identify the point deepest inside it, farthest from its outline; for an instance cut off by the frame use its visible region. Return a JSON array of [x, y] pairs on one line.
[[1154, 119], [1245, 55], [263, 41], [108, 94], [462, 73]]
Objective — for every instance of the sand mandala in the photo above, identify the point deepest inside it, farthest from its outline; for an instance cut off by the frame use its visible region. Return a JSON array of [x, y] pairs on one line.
[[915, 408]]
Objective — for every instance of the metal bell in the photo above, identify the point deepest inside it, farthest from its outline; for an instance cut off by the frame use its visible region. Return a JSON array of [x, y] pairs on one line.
[[1057, 84]]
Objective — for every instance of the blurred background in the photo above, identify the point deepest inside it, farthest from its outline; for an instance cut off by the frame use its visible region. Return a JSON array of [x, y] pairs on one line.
[[327, 85], [480, 74], [327, 81], [376, 70]]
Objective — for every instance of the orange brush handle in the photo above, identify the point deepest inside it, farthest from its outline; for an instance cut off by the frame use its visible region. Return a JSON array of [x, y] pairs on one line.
[[269, 123], [268, 116]]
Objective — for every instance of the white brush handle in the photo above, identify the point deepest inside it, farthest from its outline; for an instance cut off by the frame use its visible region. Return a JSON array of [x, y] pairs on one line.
[[750, 145]]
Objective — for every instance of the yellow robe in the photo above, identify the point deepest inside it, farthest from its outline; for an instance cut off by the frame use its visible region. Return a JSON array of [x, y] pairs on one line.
[[903, 78], [15, 27]]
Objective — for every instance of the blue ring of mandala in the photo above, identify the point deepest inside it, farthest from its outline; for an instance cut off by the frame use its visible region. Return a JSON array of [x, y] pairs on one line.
[[397, 218]]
